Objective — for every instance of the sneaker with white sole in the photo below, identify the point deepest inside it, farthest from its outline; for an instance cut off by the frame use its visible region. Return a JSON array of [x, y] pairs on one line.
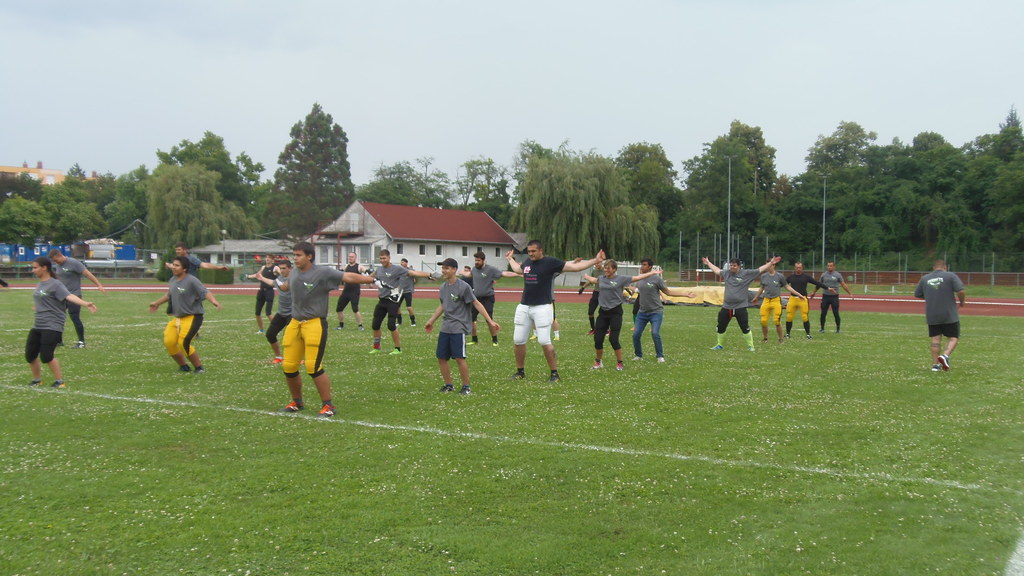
[[661, 359], [597, 365], [944, 362]]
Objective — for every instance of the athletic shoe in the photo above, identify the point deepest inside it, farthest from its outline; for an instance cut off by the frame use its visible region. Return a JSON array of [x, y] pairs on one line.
[[465, 389], [554, 378], [637, 358], [327, 411], [936, 368], [533, 336], [661, 359], [395, 352], [944, 362], [374, 350], [837, 331], [413, 324], [293, 406], [447, 388], [471, 343], [597, 365], [822, 331], [764, 341], [750, 348], [184, 368], [79, 345], [495, 343], [619, 366], [557, 338], [277, 360], [361, 328], [809, 337], [719, 347], [518, 376], [35, 383], [787, 335], [58, 384], [339, 327], [199, 370]]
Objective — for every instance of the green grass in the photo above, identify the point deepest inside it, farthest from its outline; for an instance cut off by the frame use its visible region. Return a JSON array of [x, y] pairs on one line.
[[839, 455]]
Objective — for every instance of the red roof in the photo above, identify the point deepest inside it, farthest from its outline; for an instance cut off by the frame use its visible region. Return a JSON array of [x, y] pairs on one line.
[[416, 223]]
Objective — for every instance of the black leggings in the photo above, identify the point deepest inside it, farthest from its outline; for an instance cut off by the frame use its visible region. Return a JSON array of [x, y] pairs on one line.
[[826, 303], [608, 319], [41, 344]]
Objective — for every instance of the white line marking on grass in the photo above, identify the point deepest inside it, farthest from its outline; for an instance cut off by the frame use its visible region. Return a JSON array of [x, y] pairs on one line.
[[878, 476], [1015, 566]]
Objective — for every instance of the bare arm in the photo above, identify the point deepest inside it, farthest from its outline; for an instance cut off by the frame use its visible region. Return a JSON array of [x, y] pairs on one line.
[[430, 321], [580, 265], [758, 295], [212, 299], [483, 312], [76, 300], [210, 266], [764, 267], [92, 278], [962, 297], [640, 277], [354, 278], [794, 292], [712, 267], [511, 258], [678, 292], [156, 303]]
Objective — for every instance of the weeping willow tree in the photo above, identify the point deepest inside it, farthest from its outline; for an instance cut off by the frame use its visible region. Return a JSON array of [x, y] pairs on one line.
[[185, 206], [576, 204]]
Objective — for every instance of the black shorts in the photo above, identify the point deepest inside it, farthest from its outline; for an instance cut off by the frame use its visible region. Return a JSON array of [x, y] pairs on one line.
[[947, 330], [347, 298], [407, 298], [488, 302]]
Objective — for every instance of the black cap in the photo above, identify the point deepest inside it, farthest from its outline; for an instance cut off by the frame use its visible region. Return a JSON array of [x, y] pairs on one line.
[[450, 262]]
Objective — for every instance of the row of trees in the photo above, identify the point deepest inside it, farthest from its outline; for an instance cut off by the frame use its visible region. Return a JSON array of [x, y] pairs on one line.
[[925, 197]]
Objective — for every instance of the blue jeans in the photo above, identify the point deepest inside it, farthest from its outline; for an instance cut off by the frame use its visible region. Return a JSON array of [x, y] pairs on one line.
[[642, 319]]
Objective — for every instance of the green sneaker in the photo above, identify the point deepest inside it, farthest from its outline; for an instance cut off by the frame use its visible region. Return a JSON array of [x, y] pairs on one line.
[[375, 351], [395, 352]]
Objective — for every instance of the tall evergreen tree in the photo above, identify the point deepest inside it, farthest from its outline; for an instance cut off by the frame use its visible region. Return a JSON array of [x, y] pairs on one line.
[[314, 183]]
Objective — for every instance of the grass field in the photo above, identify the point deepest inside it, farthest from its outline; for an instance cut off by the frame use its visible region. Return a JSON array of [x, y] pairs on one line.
[[839, 455]]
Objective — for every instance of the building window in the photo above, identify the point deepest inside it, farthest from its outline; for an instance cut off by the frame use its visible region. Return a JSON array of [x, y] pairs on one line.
[[497, 251], [423, 249], [465, 250], [437, 249], [399, 248], [479, 249]]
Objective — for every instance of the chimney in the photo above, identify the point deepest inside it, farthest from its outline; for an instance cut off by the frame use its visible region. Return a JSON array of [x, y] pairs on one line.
[[24, 164], [39, 165], [94, 174]]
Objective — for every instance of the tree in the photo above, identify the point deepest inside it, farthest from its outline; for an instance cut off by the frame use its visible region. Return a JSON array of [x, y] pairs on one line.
[[576, 203], [844, 148], [314, 182], [129, 206], [185, 206], [484, 187], [71, 216], [22, 221], [22, 186], [237, 177]]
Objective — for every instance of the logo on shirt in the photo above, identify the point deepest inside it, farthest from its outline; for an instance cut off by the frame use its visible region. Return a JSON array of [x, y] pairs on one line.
[[935, 283], [309, 286], [180, 289], [454, 297]]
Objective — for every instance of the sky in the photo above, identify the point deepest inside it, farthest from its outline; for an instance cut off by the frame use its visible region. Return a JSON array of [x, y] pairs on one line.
[[107, 83]]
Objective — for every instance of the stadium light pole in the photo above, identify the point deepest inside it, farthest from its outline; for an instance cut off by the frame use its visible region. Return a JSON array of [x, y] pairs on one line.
[[728, 217], [824, 187]]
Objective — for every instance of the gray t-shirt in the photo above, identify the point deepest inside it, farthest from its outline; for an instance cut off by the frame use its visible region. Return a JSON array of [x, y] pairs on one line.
[[773, 284], [186, 295], [50, 308], [483, 280], [389, 280], [284, 297], [939, 289], [457, 298], [407, 283], [832, 280], [70, 273], [736, 286], [610, 291], [650, 294], [311, 290]]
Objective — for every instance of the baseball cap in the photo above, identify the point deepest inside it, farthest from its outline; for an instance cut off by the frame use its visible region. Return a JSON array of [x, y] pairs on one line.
[[449, 262]]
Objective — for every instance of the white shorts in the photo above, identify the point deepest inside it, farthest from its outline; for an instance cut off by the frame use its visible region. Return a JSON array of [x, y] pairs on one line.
[[528, 318]]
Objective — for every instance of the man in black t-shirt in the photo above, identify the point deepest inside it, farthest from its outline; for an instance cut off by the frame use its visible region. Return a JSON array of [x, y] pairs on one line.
[[536, 308]]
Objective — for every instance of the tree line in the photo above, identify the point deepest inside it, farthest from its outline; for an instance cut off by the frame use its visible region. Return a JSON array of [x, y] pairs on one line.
[[918, 199]]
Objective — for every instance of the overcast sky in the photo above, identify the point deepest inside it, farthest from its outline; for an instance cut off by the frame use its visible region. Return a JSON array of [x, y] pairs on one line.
[[106, 83]]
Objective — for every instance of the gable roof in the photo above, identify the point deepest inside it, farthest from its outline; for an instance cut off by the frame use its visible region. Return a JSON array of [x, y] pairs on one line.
[[417, 223]]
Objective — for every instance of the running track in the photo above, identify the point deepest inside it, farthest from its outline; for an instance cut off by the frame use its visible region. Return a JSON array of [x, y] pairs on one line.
[[858, 303]]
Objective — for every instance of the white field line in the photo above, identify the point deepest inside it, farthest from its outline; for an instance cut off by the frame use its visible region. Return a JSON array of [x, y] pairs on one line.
[[876, 476], [1015, 566]]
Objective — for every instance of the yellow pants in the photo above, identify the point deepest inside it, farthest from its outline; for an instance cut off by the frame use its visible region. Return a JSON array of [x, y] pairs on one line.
[[771, 308], [179, 333], [305, 340], [794, 305]]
